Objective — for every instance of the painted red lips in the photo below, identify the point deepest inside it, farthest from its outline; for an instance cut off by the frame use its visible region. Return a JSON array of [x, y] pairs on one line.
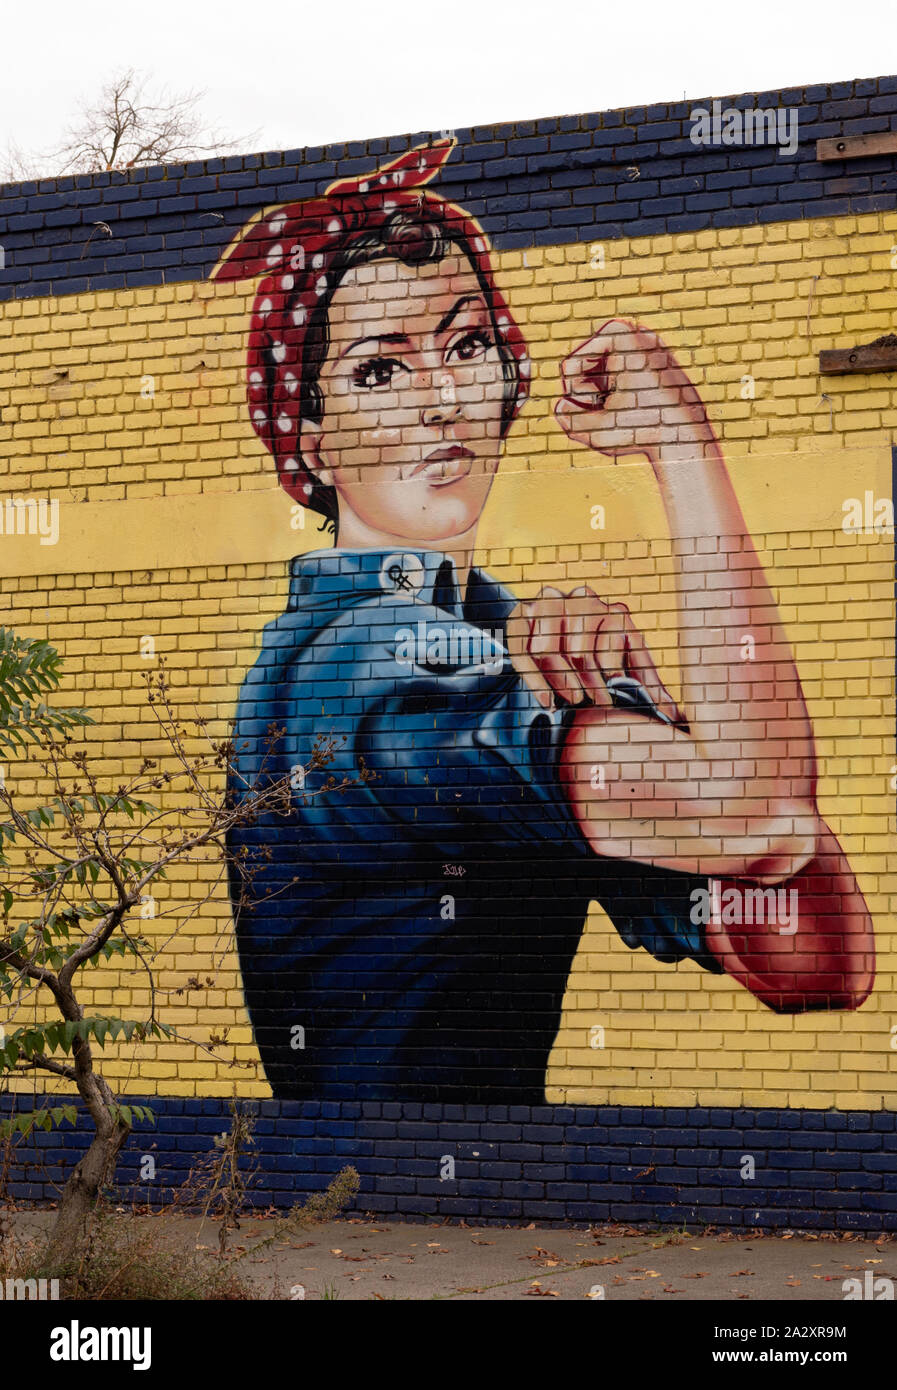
[[445, 465]]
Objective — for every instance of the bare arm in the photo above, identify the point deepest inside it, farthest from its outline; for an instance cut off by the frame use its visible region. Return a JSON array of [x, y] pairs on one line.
[[726, 788], [733, 794]]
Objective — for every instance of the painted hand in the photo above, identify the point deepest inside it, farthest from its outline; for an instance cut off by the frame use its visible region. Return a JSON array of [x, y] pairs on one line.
[[625, 393], [568, 646]]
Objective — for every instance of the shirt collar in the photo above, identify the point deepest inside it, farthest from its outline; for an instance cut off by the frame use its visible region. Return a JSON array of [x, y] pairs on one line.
[[429, 576]]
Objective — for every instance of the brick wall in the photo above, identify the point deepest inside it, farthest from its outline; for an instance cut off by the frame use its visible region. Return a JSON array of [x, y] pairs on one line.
[[123, 396]]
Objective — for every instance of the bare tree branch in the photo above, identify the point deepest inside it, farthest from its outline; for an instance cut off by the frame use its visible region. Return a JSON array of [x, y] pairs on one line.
[[125, 127]]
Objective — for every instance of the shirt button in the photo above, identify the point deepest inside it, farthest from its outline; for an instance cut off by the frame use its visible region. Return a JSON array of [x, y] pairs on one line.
[[402, 574]]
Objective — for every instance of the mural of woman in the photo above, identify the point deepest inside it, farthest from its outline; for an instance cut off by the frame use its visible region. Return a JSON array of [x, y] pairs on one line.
[[411, 936]]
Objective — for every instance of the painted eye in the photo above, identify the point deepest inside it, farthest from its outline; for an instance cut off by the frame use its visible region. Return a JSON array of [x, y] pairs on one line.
[[470, 346], [376, 372]]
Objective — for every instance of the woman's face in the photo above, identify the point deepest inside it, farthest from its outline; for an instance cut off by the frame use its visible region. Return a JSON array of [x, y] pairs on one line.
[[412, 390]]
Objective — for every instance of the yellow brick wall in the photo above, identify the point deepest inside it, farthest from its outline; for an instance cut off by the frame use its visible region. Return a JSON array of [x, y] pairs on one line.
[[129, 407]]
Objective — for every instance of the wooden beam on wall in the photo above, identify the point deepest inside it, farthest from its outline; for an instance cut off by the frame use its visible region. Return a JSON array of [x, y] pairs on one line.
[[856, 146], [880, 356]]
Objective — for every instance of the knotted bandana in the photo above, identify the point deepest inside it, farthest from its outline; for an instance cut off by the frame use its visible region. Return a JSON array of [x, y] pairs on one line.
[[292, 247]]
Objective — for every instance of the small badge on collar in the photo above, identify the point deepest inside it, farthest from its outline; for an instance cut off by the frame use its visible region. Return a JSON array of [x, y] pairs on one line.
[[402, 574]]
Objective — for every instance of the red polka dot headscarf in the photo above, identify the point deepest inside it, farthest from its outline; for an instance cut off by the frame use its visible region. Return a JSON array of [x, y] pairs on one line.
[[299, 251]]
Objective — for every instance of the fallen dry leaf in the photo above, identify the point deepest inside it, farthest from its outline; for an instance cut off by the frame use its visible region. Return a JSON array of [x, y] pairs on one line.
[[546, 1257], [536, 1288]]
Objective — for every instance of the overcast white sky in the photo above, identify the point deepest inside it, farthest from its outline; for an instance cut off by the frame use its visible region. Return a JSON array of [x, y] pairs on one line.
[[301, 73]]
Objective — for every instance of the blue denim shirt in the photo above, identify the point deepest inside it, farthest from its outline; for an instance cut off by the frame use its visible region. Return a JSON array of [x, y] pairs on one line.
[[409, 936]]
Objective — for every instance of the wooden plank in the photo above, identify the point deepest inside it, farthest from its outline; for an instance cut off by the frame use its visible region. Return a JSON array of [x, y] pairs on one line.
[[880, 356], [856, 146]]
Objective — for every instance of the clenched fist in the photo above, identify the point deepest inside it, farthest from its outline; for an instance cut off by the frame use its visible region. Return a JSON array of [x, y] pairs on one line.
[[625, 393]]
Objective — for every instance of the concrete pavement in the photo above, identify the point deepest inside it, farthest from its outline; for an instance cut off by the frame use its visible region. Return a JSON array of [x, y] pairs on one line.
[[359, 1258]]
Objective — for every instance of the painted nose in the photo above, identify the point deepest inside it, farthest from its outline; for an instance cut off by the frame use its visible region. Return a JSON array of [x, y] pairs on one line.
[[443, 407]]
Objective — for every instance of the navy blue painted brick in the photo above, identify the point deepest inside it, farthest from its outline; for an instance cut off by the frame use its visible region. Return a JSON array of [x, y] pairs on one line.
[[857, 1142], [501, 1170], [678, 1137], [855, 1187], [708, 202], [545, 1172], [504, 167], [840, 110], [662, 207], [221, 182], [534, 145], [571, 140], [658, 130], [587, 1134], [523, 1151]]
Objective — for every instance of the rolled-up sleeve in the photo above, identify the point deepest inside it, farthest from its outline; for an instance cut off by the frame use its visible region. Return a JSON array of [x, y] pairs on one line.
[[421, 764]]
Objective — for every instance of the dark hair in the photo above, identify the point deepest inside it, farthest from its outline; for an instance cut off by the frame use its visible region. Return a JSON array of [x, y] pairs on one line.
[[423, 238]]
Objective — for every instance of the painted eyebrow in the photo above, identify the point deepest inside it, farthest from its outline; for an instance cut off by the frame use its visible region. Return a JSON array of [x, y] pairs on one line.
[[401, 339], [445, 322], [391, 339]]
